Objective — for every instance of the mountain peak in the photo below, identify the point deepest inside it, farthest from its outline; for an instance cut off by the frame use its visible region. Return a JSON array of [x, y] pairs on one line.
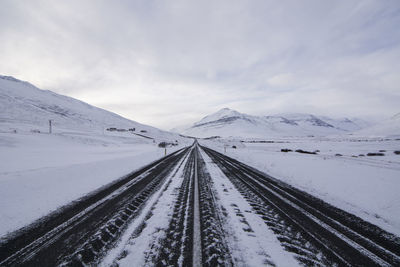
[[220, 114], [225, 109], [226, 112], [227, 122]]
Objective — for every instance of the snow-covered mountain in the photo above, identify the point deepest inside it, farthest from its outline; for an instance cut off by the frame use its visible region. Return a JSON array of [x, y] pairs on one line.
[[230, 123], [390, 127], [22, 105]]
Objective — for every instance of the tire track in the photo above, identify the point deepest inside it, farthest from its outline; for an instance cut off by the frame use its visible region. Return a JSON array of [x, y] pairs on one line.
[[316, 232], [81, 233], [180, 247], [214, 247], [177, 245]]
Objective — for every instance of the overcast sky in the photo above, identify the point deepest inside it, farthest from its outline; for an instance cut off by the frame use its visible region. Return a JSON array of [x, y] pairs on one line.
[[168, 63]]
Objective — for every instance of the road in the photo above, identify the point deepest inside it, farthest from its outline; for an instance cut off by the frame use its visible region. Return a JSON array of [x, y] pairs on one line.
[[198, 207]]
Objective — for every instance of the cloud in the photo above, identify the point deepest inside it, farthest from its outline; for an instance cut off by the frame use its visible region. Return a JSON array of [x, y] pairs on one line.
[[284, 79], [168, 63]]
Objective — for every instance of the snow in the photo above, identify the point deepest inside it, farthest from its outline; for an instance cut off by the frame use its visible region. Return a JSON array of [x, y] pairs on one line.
[[24, 105], [196, 221], [365, 186], [258, 248], [250, 240], [221, 114], [40, 172], [139, 248], [390, 128], [230, 123]]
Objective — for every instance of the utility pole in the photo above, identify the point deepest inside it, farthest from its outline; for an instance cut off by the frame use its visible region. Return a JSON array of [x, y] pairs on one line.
[[49, 126]]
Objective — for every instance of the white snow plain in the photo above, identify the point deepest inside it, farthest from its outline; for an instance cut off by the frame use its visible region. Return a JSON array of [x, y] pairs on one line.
[[366, 186]]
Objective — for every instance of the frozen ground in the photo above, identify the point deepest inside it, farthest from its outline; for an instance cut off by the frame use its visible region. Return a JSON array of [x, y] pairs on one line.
[[41, 172], [364, 185]]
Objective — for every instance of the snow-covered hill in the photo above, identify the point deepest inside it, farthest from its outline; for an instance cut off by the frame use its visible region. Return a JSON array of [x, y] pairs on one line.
[[390, 127], [25, 106], [230, 123]]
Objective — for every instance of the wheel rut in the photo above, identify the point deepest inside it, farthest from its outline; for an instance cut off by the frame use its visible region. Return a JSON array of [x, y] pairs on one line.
[[314, 231], [195, 239], [81, 233], [196, 229]]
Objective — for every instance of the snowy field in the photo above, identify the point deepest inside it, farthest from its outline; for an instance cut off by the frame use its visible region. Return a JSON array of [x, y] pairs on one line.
[[40, 172], [367, 186]]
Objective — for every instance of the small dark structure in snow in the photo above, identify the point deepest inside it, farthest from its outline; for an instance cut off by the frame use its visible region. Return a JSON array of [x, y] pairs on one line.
[[131, 129], [166, 144], [143, 131], [162, 144], [305, 152], [234, 147], [211, 137], [376, 154], [114, 129], [286, 150]]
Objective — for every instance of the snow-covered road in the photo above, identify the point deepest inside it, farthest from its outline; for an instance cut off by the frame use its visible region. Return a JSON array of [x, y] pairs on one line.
[[197, 207]]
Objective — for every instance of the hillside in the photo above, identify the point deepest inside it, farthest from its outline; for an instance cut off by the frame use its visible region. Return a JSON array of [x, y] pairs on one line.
[[24, 106], [230, 123], [387, 128]]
